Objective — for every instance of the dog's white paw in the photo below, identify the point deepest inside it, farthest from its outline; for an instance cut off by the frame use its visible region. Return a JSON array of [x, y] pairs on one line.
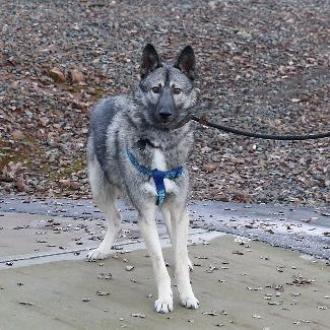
[[98, 254], [164, 306], [190, 302]]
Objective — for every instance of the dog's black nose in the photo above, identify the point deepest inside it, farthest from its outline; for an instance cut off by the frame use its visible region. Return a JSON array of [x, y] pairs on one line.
[[165, 114]]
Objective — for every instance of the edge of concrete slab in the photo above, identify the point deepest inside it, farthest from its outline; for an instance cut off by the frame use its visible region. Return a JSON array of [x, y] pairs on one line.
[[283, 226], [195, 236]]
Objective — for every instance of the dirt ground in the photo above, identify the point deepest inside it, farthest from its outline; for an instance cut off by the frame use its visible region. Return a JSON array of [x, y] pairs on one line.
[[263, 66]]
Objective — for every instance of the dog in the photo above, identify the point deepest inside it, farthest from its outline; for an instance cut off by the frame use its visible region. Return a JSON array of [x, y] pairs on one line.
[[138, 144]]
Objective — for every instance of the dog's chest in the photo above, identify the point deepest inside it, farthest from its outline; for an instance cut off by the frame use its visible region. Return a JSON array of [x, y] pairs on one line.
[[158, 160]]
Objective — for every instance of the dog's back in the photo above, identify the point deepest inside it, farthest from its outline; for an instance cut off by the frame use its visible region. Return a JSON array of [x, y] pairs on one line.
[[103, 147], [101, 119]]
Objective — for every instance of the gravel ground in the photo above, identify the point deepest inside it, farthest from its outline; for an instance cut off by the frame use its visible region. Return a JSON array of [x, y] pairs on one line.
[[263, 66]]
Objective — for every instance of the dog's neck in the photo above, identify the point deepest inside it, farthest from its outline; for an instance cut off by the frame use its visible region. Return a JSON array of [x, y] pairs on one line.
[[158, 160], [144, 142], [162, 150], [162, 140]]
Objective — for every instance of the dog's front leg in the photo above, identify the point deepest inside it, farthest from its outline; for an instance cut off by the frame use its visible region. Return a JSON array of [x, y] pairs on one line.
[[181, 222], [149, 189], [164, 303], [170, 225], [171, 187]]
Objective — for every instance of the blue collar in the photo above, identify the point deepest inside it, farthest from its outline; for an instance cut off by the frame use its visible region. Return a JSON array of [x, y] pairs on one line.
[[158, 176]]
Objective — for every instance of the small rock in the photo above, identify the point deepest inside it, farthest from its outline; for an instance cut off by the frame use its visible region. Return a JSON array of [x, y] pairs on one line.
[[212, 268], [273, 303], [211, 313], [17, 135], [139, 315], [25, 303], [210, 167], [323, 308], [256, 316], [238, 253], [76, 77], [129, 268], [20, 184], [57, 75], [102, 293], [41, 241], [104, 276]]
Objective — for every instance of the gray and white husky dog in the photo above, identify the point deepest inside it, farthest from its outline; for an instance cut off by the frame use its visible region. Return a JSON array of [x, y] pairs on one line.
[[139, 145]]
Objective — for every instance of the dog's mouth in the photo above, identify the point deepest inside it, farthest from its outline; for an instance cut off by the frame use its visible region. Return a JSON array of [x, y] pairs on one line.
[[166, 121], [173, 123]]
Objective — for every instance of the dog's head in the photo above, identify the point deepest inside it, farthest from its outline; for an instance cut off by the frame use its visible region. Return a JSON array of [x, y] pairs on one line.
[[167, 91]]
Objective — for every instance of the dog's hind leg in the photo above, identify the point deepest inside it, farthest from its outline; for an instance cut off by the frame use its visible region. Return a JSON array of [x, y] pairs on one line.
[[113, 219], [105, 196], [170, 228], [164, 303]]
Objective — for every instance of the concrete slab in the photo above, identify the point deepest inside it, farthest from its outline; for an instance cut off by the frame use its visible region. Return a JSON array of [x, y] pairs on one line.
[[27, 239], [240, 286], [298, 228], [46, 284], [25, 234]]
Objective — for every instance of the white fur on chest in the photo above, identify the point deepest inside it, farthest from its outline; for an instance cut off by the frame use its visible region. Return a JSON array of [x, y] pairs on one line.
[[158, 160], [159, 163]]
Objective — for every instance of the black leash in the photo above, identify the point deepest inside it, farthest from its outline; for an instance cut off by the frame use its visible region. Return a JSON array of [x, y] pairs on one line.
[[205, 122]]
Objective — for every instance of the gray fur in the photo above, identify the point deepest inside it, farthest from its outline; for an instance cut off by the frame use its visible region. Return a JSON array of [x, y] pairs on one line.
[[118, 123], [147, 123], [102, 116]]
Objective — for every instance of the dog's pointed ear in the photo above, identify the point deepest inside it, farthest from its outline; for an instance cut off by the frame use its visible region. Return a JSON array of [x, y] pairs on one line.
[[186, 62], [150, 60]]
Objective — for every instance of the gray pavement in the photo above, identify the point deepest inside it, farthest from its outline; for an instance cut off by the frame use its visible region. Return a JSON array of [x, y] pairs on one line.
[[298, 228], [45, 282], [250, 286]]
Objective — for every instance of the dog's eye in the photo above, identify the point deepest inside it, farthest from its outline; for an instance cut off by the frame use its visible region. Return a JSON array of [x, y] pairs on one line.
[[156, 89], [176, 90]]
